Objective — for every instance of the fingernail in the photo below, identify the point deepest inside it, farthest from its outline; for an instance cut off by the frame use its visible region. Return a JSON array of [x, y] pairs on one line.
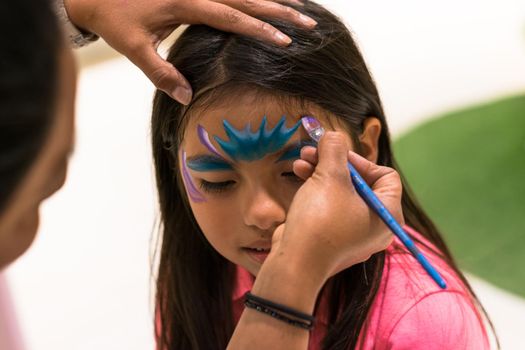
[[182, 94], [285, 39], [307, 20]]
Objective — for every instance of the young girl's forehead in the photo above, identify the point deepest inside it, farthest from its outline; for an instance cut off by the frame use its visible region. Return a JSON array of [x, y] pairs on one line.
[[244, 112], [240, 116], [246, 139], [240, 106], [259, 126]]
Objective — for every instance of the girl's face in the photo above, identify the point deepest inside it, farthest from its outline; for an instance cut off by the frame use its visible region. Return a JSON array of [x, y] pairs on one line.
[[238, 173]]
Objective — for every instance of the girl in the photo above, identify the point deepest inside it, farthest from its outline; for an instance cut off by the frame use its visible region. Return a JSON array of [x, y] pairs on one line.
[[247, 206]]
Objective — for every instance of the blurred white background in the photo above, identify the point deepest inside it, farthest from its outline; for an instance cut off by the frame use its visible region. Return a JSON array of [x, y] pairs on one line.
[[86, 282]]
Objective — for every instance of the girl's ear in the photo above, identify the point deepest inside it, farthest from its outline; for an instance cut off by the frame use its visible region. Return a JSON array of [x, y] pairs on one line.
[[369, 138]]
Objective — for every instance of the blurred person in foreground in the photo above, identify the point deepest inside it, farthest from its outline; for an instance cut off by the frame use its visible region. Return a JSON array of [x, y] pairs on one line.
[[38, 83]]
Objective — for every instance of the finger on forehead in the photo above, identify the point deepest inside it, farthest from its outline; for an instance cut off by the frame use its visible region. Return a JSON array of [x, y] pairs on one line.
[[309, 154], [303, 169]]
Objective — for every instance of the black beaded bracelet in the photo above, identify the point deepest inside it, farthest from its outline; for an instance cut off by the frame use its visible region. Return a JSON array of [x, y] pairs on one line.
[[280, 312]]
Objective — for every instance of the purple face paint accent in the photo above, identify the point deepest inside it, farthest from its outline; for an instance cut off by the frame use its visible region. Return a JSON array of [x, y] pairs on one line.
[[205, 140], [193, 192]]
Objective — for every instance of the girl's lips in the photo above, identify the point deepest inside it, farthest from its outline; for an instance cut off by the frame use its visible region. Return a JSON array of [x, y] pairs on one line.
[[258, 256]]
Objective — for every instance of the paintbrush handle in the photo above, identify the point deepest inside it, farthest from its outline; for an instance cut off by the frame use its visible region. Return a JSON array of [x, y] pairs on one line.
[[373, 202]]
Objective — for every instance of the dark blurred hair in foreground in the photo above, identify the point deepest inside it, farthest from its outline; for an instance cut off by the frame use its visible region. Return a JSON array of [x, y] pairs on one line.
[[29, 50]]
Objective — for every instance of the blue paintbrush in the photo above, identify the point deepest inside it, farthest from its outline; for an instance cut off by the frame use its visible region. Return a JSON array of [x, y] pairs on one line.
[[315, 130]]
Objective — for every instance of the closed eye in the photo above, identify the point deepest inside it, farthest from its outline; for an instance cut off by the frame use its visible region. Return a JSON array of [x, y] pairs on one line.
[[215, 187], [218, 187]]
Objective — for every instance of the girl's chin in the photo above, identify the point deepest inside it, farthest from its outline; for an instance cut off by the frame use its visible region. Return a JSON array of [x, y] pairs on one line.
[[250, 266]]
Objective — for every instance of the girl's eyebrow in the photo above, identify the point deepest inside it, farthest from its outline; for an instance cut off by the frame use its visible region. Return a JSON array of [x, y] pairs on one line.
[[293, 151], [207, 162]]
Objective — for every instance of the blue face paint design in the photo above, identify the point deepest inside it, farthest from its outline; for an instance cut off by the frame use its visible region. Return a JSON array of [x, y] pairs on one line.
[[208, 163], [294, 151], [247, 145]]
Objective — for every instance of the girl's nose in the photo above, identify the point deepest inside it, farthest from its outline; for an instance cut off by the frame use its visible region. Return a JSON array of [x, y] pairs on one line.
[[263, 210]]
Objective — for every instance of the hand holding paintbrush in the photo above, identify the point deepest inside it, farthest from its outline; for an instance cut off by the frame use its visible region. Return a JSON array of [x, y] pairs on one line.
[[314, 129], [329, 227]]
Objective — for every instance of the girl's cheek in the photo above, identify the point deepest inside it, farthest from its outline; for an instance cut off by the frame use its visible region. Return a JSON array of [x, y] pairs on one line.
[[212, 216]]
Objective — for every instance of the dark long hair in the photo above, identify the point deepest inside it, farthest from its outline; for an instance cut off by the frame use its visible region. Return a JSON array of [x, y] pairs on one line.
[[29, 51], [323, 67]]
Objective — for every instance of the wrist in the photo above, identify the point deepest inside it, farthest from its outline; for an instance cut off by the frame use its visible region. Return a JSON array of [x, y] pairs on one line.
[[79, 15], [283, 281], [71, 27]]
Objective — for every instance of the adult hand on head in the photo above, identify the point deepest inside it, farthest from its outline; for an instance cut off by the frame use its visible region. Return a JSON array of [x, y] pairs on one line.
[[135, 28], [329, 227]]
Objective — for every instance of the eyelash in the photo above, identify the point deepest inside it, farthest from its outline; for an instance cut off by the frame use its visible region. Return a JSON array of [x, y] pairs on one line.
[[215, 187], [218, 187]]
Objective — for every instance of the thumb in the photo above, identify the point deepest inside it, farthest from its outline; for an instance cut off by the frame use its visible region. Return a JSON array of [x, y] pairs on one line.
[[370, 171], [384, 181], [332, 153], [161, 73]]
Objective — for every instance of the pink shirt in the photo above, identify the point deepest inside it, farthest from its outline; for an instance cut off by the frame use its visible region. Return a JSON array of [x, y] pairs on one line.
[[409, 311]]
